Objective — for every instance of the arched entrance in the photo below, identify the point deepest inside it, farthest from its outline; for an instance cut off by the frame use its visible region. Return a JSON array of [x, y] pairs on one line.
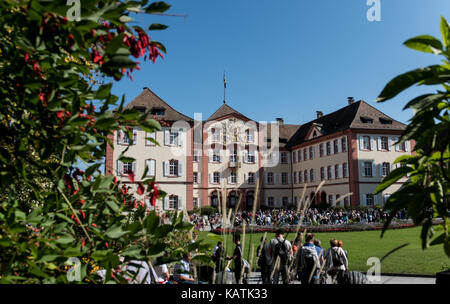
[[250, 199], [214, 199], [232, 199], [323, 197]]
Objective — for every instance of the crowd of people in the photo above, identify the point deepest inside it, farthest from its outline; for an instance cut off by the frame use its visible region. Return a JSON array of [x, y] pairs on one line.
[[281, 217]]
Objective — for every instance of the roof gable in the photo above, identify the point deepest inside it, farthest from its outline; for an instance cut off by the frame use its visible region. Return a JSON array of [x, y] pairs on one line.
[[226, 111]]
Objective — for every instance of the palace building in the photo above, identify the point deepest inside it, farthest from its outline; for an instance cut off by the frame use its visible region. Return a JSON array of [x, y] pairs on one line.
[[198, 162]]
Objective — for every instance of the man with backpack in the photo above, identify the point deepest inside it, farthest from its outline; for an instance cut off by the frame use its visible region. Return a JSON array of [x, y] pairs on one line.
[[280, 250], [264, 261], [309, 261]]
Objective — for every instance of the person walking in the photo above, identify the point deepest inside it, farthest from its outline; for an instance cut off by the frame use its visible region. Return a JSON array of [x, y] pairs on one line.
[[264, 261], [336, 261], [280, 250], [309, 261], [237, 258]]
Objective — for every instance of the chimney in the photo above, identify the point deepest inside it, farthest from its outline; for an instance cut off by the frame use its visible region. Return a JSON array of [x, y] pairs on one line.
[[319, 114], [351, 100], [280, 120]]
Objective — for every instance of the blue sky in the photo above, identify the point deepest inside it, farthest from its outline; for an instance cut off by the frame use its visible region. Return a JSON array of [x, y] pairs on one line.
[[285, 58]]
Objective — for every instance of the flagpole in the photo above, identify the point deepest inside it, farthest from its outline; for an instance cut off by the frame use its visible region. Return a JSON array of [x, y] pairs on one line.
[[224, 87]]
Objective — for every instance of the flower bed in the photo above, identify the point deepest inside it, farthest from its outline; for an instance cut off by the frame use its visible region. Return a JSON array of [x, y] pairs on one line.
[[311, 228]]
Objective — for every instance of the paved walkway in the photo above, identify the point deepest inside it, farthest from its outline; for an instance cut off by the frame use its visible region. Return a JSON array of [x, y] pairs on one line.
[[255, 278]]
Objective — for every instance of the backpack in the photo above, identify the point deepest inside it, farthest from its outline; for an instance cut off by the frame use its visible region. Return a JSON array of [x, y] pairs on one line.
[[352, 278], [337, 260], [310, 258], [264, 258], [281, 251]]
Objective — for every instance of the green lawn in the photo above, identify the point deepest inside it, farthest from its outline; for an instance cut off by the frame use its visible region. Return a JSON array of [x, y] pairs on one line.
[[364, 244]]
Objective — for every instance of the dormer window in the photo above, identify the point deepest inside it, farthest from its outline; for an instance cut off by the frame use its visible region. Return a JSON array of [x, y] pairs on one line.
[[158, 111], [367, 120], [386, 121], [140, 109]]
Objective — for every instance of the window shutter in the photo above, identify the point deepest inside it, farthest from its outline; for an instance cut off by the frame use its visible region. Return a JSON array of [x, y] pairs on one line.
[[119, 167], [332, 172], [374, 170], [380, 169], [166, 203], [288, 179], [256, 156], [373, 143], [331, 147], [134, 137], [180, 137], [229, 179], [165, 168], [133, 167], [180, 203], [211, 178], [407, 146], [166, 137], [364, 200], [210, 155], [266, 199], [238, 178], [363, 172], [288, 157], [397, 147], [180, 168], [245, 178], [120, 135], [341, 171], [361, 143], [199, 177], [265, 178], [378, 143], [274, 178], [339, 143], [245, 156]]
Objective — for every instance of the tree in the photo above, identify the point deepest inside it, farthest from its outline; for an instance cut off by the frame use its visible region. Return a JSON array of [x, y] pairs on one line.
[[426, 193], [55, 115]]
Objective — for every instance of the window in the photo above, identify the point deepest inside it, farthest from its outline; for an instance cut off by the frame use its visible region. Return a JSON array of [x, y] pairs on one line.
[[321, 150], [330, 199], [402, 147], [336, 146], [366, 143], [311, 152], [251, 156], [322, 173], [195, 177], [284, 158], [232, 177], [369, 199], [249, 134], [328, 148], [368, 169], [386, 169], [233, 156], [173, 138], [270, 178], [305, 154], [251, 178], [346, 201], [300, 178], [151, 165], [284, 201], [127, 140], [384, 143], [195, 201], [367, 120], [173, 202], [305, 176], [127, 167], [158, 111], [299, 154], [311, 175], [344, 144], [216, 177], [330, 173], [270, 201], [338, 196], [173, 168], [295, 177], [195, 156], [294, 157], [344, 170], [284, 179], [216, 156], [336, 171], [150, 139], [216, 135]]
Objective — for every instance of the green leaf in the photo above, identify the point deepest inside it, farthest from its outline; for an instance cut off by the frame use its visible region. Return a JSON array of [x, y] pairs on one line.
[[406, 80], [100, 255], [157, 7], [157, 248], [133, 251], [65, 239], [394, 176], [157, 27], [424, 43], [215, 237], [151, 222], [115, 232], [114, 207], [163, 230], [445, 31], [104, 90], [126, 159], [438, 240], [203, 259]]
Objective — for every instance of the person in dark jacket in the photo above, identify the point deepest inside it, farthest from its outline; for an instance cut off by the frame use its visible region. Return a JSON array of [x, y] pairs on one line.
[[264, 261]]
